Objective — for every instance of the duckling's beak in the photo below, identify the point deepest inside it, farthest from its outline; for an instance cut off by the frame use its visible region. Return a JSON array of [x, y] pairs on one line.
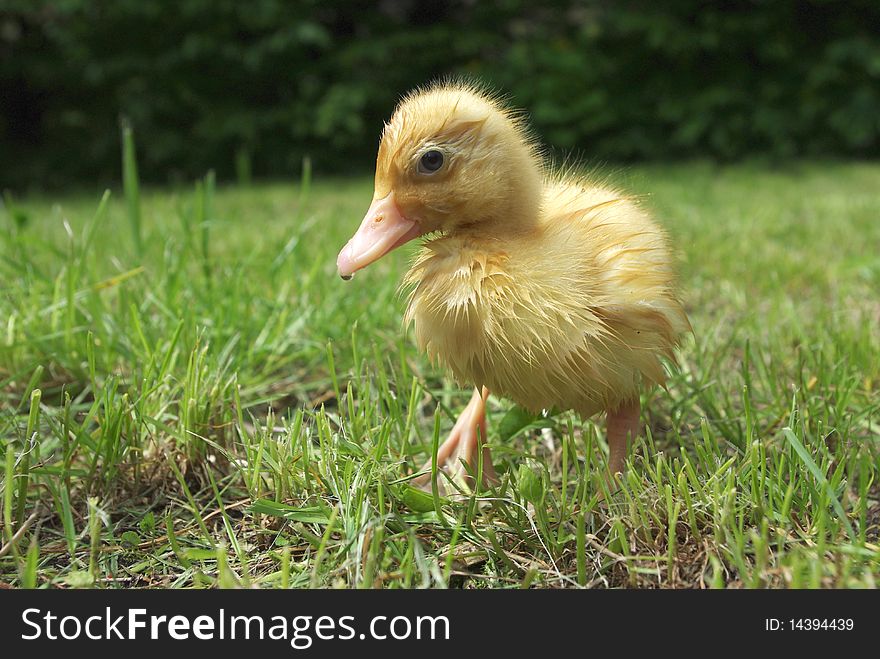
[[384, 228]]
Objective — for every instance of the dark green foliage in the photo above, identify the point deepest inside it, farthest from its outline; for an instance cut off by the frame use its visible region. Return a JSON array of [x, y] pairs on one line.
[[253, 87]]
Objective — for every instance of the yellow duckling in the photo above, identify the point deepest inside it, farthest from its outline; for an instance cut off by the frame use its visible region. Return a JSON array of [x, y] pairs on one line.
[[543, 288]]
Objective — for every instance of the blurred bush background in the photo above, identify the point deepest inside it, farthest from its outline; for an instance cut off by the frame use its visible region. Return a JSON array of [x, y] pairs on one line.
[[249, 88]]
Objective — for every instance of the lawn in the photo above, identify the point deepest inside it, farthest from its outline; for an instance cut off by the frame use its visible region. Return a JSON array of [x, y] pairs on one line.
[[210, 405]]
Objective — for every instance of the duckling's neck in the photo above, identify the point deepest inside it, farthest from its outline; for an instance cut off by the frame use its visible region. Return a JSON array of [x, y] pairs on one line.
[[513, 207], [523, 210], [526, 186]]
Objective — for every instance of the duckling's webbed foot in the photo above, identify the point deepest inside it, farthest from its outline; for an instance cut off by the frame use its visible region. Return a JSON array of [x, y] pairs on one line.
[[623, 427], [459, 455]]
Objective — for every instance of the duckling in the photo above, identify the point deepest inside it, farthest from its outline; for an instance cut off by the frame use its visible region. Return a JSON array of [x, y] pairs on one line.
[[546, 288]]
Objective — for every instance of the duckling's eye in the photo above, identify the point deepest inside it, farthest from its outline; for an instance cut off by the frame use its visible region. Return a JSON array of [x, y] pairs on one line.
[[430, 162]]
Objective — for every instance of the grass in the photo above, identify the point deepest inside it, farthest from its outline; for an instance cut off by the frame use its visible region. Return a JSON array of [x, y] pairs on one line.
[[192, 398]]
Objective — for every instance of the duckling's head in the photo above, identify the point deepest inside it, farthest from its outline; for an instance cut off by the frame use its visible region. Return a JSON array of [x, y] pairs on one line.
[[452, 158]]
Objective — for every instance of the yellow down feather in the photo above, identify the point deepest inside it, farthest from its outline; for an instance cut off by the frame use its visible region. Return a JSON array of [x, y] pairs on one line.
[[548, 289]]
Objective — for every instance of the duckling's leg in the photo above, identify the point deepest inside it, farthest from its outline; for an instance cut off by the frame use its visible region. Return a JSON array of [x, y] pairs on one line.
[[623, 425], [467, 438]]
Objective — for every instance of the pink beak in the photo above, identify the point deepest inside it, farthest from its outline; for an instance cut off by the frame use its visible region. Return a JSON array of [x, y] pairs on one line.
[[383, 229]]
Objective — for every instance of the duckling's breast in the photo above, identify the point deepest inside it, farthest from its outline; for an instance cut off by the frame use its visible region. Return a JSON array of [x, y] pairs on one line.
[[542, 348]]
